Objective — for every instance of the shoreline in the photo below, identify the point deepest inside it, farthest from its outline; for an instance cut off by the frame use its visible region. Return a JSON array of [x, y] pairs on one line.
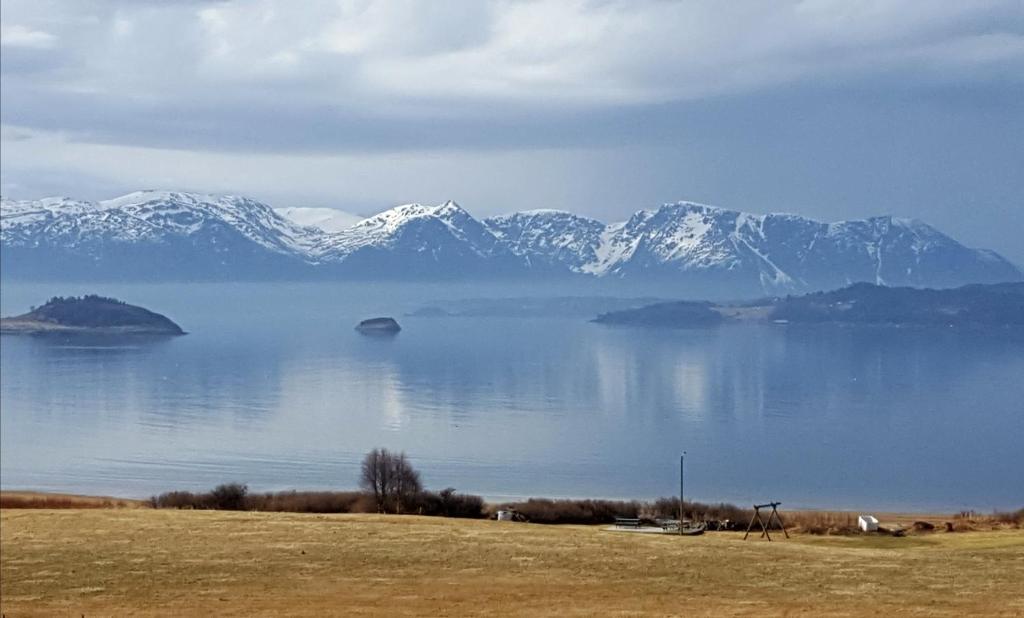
[[494, 499], [16, 326], [66, 500]]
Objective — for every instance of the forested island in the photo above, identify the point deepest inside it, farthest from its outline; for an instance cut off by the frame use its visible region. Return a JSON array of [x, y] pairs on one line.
[[89, 314], [1000, 304]]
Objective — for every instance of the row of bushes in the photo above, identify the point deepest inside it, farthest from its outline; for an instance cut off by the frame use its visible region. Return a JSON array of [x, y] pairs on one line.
[[236, 497], [546, 511], [446, 503]]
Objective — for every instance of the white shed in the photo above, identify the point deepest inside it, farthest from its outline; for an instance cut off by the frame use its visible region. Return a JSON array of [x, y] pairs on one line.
[[867, 523], [505, 515]]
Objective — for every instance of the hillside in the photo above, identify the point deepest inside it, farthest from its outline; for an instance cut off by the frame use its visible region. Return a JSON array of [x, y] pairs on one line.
[[861, 303], [90, 314]]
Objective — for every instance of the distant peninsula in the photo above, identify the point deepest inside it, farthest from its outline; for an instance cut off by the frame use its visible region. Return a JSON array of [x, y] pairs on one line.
[[89, 314], [531, 307], [1000, 304]]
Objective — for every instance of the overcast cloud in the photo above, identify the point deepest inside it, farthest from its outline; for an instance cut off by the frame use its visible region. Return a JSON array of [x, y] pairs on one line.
[[832, 109]]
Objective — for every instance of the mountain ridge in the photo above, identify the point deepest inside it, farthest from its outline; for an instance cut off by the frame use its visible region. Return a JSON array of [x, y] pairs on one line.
[[169, 234]]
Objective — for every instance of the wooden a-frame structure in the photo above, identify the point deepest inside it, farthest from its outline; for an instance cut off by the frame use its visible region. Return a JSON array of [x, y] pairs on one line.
[[764, 525]]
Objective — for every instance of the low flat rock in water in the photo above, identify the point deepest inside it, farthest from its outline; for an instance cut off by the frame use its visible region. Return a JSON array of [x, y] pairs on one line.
[[89, 315], [379, 325]]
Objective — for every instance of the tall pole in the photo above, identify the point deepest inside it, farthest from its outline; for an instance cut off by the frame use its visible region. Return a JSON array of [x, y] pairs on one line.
[[682, 458]]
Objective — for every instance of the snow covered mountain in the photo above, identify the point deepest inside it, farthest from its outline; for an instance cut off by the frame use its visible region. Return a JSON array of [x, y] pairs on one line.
[[159, 235], [151, 234], [550, 239], [414, 240], [774, 253]]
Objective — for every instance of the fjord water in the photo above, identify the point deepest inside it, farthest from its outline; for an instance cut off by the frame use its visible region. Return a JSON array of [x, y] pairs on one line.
[[274, 387]]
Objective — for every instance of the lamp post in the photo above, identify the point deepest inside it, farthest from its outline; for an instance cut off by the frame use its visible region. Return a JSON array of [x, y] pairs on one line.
[[682, 459]]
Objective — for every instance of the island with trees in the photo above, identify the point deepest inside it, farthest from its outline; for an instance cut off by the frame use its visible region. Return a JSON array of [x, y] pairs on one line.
[[89, 314], [999, 305]]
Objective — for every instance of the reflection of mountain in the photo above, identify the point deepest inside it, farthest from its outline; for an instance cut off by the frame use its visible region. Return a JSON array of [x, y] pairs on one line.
[[518, 406], [459, 369]]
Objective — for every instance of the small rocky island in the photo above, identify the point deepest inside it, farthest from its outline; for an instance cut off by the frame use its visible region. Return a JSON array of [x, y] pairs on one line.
[[89, 314], [378, 326]]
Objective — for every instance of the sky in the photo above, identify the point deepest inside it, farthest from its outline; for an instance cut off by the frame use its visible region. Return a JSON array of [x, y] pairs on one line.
[[833, 109]]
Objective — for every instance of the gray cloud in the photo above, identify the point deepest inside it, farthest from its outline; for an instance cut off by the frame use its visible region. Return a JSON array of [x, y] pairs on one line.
[[406, 59]]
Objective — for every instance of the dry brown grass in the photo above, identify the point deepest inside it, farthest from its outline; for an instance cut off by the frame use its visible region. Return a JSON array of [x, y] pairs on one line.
[[968, 521], [821, 522], [170, 562], [37, 500]]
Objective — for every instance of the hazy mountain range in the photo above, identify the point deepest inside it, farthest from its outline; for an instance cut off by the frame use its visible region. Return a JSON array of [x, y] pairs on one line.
[[160, 235]]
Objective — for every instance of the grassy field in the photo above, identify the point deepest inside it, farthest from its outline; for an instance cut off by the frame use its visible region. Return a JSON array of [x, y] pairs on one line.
[[144, 561]]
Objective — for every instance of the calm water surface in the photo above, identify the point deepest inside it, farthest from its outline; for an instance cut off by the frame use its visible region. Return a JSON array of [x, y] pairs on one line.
[[273, 387]]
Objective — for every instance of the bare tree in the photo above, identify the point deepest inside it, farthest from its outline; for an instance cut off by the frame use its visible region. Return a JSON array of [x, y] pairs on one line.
[[376, 476], [406, 482], [391, 479]]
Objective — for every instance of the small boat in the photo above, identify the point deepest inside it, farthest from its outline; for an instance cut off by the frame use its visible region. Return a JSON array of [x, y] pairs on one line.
[[671, 526], [693, 529]]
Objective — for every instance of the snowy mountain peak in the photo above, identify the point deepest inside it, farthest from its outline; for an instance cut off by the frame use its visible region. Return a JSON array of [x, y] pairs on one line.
[[685, 243], [394, 218]]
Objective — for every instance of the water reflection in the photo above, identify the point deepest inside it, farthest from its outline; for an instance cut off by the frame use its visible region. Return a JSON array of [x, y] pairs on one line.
[[519, 406]]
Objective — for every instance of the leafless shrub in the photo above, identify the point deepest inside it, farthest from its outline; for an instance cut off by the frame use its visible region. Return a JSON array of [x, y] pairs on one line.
[[312, 502], [225, 497], [972, 520], [447, 503], [1013, 518], [668, 508], [229, 497], [180, 500]]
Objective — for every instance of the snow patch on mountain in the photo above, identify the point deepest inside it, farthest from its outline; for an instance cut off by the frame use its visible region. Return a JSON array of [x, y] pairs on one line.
[[324, 219]]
